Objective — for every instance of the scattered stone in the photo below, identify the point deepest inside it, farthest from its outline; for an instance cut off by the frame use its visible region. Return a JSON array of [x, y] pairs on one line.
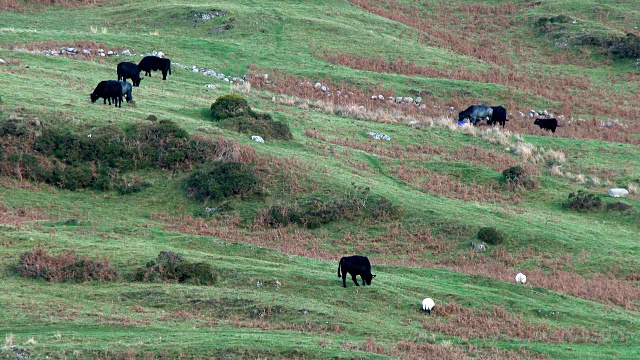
[[86, 52], [257, 138], [478, 245], [378, 136], [2, 61], [618, 192], [210, 86]]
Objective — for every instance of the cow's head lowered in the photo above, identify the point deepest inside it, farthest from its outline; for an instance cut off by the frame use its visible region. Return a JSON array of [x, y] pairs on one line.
[[368, 278], [94, 97]]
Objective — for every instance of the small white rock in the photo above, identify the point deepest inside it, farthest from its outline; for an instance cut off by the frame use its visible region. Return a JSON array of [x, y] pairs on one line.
[[618, 192], [257, 138]]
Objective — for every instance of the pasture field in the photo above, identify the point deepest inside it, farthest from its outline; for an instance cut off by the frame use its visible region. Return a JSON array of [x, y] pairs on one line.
[[412, 204]]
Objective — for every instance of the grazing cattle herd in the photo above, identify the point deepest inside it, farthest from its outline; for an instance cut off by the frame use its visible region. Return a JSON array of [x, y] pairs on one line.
[[498, 115], [117, 89], [128, 70]]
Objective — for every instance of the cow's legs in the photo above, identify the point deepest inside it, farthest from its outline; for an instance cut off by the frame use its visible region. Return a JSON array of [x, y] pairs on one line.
[[353, 277], [344, 279], [164, 75]]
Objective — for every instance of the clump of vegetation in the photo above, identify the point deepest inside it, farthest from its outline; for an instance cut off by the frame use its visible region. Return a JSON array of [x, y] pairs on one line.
[[172, 266], [490, 235], [133, 185], [517, 177], [583, 201], [39, 264], [627, 46], [315, 212], [618, 206], [233, 112], [229, 106], [58, 156], [221, 180]]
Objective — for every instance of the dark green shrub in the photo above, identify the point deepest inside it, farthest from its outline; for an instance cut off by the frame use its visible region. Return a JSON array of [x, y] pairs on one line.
[[517, 177], [315, 212], [383, 209], [77, 177], [39, 264], [490, 235], [227, 106], [618, 206], [583, 201], [221, 180], [172, 266], [133, 186], [262, 125]]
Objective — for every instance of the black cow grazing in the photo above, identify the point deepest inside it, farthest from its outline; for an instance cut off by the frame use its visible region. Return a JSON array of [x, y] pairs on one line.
[[155, 63], [475, 113], [547, 124], [108, 89], [499, 116], [355, 265], [129, 70]]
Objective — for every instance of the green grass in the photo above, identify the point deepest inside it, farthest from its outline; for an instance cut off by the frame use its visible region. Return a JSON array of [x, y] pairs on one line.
[[310, 315]]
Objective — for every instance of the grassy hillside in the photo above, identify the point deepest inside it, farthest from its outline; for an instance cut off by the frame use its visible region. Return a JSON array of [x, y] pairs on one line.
[[109, 186]]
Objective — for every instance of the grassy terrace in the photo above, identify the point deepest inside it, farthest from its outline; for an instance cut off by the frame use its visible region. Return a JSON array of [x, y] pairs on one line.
[[412, 204]]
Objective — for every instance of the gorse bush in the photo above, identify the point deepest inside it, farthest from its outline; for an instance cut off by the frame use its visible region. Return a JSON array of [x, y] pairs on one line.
[[233, 112], [55, 155], [227, 106], [39, 264], [172, 266], [517, 177], [583, 201], [221, 180], [315, 212], [490, 235]]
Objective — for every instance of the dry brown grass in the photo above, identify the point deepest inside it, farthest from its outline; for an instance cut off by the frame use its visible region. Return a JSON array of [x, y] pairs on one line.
[[17, 217], [457, 30], [446, 350], [20, 6], [607, 288], [446, 185], [455, 320]]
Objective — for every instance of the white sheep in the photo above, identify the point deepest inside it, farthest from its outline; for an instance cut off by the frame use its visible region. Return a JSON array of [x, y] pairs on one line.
[[521, 278], [428, 304]]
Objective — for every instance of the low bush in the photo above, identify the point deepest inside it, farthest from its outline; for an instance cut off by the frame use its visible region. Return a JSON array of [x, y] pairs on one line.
[[516, 177], [39, 264], [233, 112], [583, 201], [132, 185], [221, 180], [57, 156], [618, 206], [315, 212], [172, 266], [490, 235], [228, 106]]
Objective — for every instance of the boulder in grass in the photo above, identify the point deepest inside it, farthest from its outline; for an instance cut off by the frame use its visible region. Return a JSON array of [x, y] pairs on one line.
[[618, 192], [257, 138]]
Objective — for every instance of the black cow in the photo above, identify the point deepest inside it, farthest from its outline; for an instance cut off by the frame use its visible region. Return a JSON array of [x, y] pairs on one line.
[[499, 116], [129, 70], [355, 265], [547, 124], [475, 113], [155, 63], [108, 89]]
